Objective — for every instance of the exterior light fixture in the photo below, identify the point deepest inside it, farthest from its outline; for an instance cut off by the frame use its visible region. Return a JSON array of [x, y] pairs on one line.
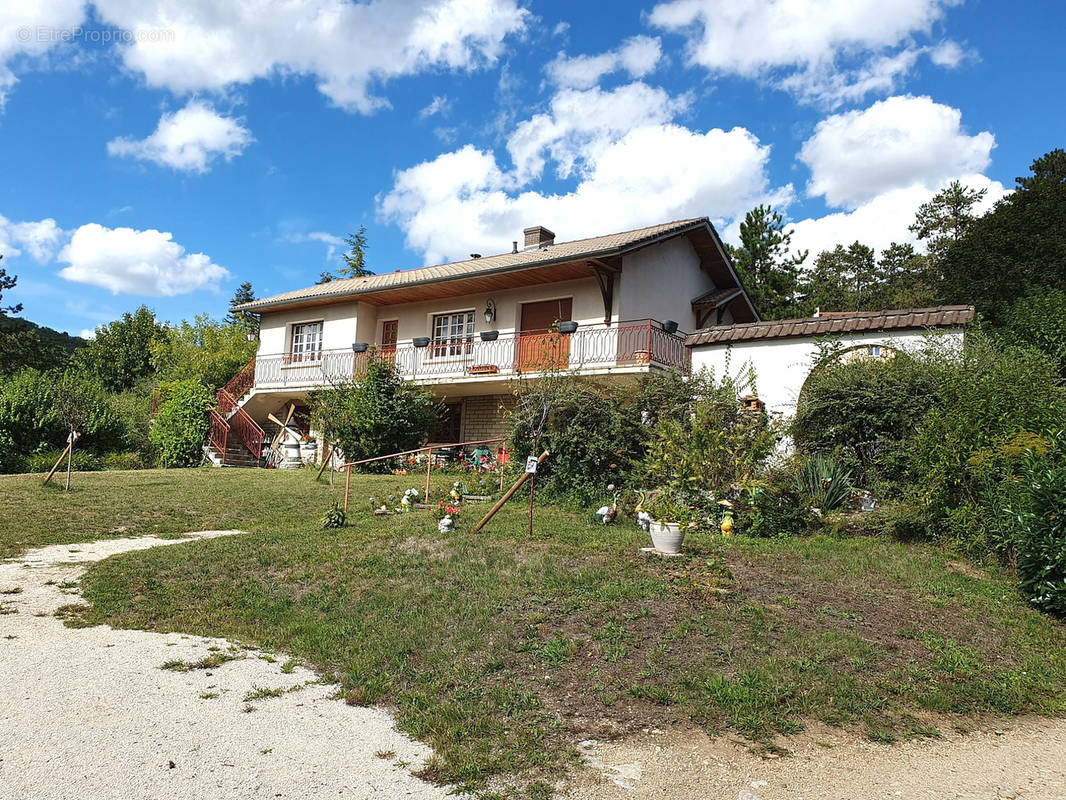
[[490, 311], [360, 347], [670, 326], [251, 337]]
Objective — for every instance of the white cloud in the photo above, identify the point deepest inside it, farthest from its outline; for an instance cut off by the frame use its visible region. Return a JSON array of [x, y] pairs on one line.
[[87, 334], [824, 50], [895, 143], [348, 48], [188, 139], [438, 105], [948, 54], [883, 219], [145, 262], [40, 239], [25, 29], [464, 201], [580, 125], [637, 56]]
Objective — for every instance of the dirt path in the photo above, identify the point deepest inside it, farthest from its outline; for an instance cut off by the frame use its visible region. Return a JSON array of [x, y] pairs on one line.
[[1024, 759], [88, 712]]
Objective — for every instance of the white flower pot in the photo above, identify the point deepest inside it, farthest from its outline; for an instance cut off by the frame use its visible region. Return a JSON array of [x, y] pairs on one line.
[[666, 537]]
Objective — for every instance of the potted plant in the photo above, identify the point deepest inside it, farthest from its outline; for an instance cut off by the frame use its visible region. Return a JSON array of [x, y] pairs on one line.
[[671, 518], [490, 336]]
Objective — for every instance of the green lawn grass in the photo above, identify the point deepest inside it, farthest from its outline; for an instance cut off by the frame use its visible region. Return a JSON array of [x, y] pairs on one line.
[[502, 651]]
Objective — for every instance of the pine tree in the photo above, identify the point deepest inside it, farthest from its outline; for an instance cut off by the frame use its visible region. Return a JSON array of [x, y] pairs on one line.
[[243, 319], [768, 271], [8, 282], [355, 258]]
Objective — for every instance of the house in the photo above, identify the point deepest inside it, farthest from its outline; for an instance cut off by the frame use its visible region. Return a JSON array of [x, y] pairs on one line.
[[466, 330], [614, 307]]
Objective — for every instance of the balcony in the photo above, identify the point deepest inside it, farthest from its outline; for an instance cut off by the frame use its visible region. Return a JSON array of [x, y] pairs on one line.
[[593, 349]]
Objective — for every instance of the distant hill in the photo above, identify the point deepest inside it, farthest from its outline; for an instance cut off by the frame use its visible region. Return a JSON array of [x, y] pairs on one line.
[[64, 341]]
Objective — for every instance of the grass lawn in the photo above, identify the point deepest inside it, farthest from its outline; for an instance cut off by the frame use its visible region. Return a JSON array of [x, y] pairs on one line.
[[503, 651]]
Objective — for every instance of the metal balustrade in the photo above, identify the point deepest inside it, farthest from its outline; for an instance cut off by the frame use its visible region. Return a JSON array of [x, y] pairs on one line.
[[591, 348]]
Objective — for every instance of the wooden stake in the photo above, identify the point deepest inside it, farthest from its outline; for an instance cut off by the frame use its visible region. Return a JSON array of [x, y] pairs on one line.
[[429, 471], [509, 494], [329, 455], [70, 456], [55, 466]]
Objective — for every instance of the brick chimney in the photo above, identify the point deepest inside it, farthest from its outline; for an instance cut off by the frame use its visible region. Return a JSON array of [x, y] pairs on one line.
[[538, 236]]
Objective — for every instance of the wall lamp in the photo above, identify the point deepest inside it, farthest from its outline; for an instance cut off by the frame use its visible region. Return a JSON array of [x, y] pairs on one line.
[[490, 311]]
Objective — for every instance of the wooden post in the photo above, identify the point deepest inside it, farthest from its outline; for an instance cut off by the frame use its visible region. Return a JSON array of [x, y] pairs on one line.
[[532, 484], [329, 455], [502, 463], [429, 472], [510, 493], [55, 466], [347, 486]]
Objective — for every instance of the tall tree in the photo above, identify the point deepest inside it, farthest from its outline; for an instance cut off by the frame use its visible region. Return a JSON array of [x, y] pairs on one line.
[[945, 220], [842, 279], [243, 319], [121, 352], [324, 277], [1019, 244], [906, 279], [355, 258], [8, 282], [768, 270]]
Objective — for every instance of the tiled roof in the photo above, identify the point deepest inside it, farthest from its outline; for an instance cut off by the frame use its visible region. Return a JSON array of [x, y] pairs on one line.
[[835, 322], [504, 262]]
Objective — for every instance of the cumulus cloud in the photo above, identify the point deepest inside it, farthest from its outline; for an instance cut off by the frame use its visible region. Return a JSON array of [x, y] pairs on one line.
[[40, 239], [626, 176], [895, 143], [823, 50], [348, 48], [187, 140], [19, 26], [637, 56], [579, 125], [883, 219], [129, 261]]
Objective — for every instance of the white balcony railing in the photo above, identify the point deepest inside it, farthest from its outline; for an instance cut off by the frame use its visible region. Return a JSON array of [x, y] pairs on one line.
[[591, 348]]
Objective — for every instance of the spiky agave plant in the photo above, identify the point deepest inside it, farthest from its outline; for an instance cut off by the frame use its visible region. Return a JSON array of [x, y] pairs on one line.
[[824, 482]]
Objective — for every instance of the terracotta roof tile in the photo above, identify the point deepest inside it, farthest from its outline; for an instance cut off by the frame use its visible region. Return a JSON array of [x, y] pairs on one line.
[[504, 262], [835, 322]]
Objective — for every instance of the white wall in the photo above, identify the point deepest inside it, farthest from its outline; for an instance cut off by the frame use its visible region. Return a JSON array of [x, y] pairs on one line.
[[338, 329], [783, 365], [660, 282]]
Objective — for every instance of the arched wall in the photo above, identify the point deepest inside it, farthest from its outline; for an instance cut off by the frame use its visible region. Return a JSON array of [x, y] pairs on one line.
[[782, 365]]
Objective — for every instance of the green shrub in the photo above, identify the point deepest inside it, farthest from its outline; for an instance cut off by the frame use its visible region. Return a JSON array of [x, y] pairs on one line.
[[376, 414], [773, 511], [180, 427], [334, 517], [1041, 540], [129, 460], [823, 483], [44, 460]]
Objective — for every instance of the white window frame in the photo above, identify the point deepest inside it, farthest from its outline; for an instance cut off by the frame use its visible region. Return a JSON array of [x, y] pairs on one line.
[[452, 334], [306, 342]]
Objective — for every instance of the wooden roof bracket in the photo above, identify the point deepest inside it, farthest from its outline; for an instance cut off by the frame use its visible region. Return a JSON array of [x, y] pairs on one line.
[[605, 273]]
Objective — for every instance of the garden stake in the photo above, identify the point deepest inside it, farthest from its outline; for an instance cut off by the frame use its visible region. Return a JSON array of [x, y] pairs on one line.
[[70, 455], [429, 470], [508, 495], [532, 483], [55, 466], [329, 455]]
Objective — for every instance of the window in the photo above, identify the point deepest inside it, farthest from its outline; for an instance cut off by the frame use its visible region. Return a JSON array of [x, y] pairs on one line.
[[874, 351], [451, 331], [306, 342]]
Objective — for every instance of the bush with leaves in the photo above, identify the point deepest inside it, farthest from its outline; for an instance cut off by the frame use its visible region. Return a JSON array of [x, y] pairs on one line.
[[1041, 517], [823, 483], [204, 349], [714, 447], [334, 517], [376, 414], [181, 427]]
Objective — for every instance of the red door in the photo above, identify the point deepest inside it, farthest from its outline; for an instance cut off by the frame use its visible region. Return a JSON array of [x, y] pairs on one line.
[[539, 347], [389, 329]]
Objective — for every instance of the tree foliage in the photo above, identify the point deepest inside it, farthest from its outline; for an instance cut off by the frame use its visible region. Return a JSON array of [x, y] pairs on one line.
[[376, 414], [245, 320], [767, 269], [120, 355], [204, 350], [1018, 245], [355, 258], [8, 282]]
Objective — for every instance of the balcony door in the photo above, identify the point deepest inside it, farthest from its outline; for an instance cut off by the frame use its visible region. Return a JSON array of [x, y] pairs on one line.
[[389, 330], [538, 346]]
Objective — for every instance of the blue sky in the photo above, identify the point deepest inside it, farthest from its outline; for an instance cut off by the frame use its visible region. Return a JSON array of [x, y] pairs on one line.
[[161, 152]]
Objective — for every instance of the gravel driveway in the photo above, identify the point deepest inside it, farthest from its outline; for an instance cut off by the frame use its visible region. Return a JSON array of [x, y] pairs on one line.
[[88, 713]]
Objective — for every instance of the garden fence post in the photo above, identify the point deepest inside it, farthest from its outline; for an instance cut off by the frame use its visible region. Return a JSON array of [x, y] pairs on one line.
[[347, 486]]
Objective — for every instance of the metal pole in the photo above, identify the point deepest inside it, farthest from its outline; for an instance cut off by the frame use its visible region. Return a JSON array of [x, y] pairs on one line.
[[532, 484], [347, 486], [70, 455]]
